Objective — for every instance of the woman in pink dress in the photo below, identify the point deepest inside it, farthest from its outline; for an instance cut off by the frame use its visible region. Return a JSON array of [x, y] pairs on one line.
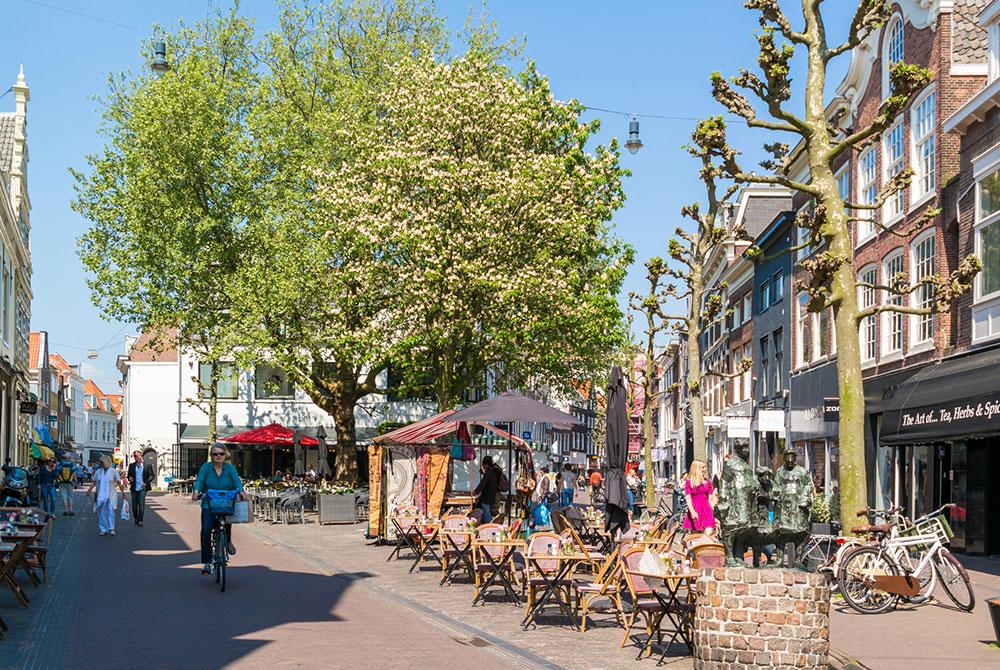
[[701, 500]]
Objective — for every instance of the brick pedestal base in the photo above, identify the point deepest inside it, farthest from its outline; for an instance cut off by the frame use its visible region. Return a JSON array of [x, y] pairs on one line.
[[748, 618]]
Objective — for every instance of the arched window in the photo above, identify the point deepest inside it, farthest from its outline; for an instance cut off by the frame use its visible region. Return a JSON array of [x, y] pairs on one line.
[[893, 50]]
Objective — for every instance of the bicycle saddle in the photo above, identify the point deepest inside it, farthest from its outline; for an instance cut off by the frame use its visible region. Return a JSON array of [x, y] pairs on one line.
[[872, 530]]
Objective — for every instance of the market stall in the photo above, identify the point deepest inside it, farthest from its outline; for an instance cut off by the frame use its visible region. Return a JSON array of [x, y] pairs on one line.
[[415, 465]]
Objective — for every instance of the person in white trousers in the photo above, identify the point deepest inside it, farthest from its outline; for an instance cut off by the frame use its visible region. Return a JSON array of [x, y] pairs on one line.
[[105, 480]]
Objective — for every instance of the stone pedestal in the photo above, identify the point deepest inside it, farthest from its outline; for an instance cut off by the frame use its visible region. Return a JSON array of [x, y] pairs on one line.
[[747, 618]]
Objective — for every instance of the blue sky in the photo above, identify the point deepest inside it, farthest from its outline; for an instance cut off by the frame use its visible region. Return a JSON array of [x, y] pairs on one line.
[[644, 57]]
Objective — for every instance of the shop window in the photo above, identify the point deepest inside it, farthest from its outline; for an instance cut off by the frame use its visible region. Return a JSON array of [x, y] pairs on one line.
[[893, 144], [923, 123], [922, 327]]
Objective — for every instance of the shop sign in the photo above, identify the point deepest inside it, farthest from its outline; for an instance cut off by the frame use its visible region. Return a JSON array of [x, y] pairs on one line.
[[771, 421], [739, 427], [526, 436], [29, 407], [960, 417], [831, 409]]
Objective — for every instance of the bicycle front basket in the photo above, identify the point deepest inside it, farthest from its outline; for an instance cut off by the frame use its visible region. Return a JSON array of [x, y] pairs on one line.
[[220, 502]]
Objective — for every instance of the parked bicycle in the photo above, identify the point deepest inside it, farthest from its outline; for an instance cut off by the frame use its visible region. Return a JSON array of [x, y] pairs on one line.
[[906, 561]]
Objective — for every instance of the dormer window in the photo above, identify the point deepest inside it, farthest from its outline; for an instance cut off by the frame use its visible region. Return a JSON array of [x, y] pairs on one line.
[[892, 51]]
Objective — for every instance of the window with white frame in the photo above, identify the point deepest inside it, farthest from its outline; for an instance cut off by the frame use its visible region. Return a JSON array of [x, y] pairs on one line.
[[866, 300], [893, 52], [844, 182], [747, 306], [748, 374], [922, 264], [923, 123], [868, 194], [737, 382], [892, 322], [893, 150], [804, 331], [988, 233]]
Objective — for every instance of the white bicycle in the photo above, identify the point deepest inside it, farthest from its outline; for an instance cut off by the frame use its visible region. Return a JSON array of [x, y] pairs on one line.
[[906, 561]]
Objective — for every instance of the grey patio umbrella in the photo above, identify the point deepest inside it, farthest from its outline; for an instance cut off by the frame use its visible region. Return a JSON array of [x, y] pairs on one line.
[[324, 460], [508, 407], [616, 446], [300, 468]]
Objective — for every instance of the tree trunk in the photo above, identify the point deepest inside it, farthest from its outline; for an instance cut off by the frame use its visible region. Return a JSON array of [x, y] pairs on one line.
[[647, 416], [213, 403], [694, 368], [346, 462]]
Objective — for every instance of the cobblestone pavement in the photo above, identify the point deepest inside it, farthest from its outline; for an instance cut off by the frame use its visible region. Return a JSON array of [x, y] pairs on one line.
[[137, 600]]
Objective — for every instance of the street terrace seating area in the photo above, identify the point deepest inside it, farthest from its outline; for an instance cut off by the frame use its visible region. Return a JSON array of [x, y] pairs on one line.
[[25, 533]]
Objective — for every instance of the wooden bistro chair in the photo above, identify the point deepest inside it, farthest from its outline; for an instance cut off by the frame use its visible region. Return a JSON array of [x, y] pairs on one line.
[[604, 585], [539, 543], [489, 532], [450, 540], [38, 549], [405, 517], [706, 555], [595, 559], [643, 600]]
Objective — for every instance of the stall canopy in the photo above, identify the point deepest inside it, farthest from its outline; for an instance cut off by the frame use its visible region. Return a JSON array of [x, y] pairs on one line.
[[428, 431], [272, 434]]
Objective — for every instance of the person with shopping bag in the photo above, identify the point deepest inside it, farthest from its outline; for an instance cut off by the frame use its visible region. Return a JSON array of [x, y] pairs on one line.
[[105, 482]]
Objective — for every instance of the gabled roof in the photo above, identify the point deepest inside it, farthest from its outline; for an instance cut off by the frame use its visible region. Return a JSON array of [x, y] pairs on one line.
[[38, 348], [102, 401], [151, 348], [6, 142]]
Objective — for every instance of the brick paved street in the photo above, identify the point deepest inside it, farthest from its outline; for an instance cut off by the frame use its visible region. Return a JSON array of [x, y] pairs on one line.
[[310, 596], [137, 600]]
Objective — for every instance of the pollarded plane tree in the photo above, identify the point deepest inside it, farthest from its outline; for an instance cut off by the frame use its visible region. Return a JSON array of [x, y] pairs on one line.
[[832, 283], [689, 252]]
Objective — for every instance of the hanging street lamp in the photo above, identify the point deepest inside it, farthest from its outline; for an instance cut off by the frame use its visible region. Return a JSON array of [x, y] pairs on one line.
[[634, 143], [159, 64]]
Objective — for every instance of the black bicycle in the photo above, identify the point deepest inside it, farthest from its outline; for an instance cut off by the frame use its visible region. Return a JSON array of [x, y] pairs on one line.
[[221, 504]]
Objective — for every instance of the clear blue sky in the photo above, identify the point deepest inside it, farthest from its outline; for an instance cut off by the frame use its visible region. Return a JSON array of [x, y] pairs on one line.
[[645, 57]]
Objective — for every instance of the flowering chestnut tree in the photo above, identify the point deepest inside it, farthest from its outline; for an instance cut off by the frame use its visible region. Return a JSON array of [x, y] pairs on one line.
[[491, 217]]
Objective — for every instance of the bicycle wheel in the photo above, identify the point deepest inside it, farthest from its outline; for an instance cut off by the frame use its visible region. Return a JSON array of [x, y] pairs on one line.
[[926, 576], [954, 580], [856, 580], [219, 557]]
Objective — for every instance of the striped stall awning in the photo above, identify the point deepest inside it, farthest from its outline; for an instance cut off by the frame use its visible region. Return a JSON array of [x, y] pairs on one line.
[[428, 431]]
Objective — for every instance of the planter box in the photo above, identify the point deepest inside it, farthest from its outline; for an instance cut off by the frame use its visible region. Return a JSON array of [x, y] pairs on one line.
[[336, 507]]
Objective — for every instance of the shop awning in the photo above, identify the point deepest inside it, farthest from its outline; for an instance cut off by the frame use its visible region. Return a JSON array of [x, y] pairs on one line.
[[271, 434], [959, 397], [428, 431]]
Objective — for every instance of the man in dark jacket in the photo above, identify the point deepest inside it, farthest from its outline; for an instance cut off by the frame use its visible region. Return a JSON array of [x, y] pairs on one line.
[[489, 486], [140, 479]]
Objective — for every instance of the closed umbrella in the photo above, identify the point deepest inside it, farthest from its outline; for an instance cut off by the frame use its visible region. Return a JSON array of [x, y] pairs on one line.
[[300, 468], [324, 465], [616, 446]]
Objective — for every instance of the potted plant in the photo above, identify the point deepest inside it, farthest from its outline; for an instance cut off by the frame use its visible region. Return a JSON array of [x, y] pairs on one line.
[[819, 516]]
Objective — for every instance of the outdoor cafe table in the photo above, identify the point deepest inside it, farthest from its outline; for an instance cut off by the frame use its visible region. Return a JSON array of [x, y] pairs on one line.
[[498, 568], [25, 536], [665, 588], [418, 536], [463, 552], [567, 563]]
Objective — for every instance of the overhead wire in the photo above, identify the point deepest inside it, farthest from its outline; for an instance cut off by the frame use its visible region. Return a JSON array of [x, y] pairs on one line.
[[83, 15]]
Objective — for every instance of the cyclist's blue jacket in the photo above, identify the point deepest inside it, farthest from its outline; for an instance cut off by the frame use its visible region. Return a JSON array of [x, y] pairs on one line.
[[229, 480]]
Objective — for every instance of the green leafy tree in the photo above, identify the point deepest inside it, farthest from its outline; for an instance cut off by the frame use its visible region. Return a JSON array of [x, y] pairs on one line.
[[321, 299], [493, 215], [832, 282], [169, 194]]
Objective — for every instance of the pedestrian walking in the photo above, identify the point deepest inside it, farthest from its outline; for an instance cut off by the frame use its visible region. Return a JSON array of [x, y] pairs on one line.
[[701, 499], [80, 473], [47, 486], [65, 479], [140, 479], [567, 488], [105, 481]]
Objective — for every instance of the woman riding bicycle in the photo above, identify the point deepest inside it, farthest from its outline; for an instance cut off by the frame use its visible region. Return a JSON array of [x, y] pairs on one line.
[[216, 475]]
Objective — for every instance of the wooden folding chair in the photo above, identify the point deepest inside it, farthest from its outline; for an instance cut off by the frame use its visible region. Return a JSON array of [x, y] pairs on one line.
[[708, 555], [450, 540], [9, 564], [605, 585], [539, 543], [642, 597]]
